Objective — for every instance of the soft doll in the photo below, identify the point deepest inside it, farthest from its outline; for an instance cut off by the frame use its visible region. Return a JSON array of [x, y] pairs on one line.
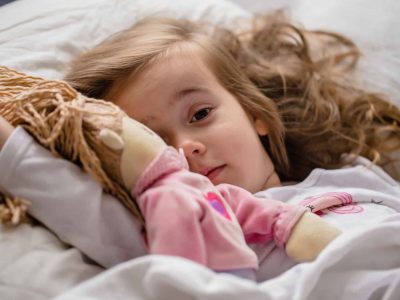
[[183, 213]]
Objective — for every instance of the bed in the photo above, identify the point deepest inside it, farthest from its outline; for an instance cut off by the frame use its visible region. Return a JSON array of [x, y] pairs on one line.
[[40, 37]]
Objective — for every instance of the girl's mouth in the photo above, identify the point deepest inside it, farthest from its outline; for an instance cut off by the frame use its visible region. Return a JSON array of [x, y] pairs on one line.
[[213, 172]]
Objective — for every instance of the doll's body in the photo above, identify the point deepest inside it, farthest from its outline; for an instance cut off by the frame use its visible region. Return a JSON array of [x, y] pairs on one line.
[[186, 215]]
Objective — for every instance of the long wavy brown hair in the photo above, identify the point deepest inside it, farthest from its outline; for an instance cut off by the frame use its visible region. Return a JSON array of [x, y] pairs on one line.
[[300, 82]]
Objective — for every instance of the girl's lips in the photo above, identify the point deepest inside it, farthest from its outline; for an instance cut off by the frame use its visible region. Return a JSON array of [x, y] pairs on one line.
[[214, 172]]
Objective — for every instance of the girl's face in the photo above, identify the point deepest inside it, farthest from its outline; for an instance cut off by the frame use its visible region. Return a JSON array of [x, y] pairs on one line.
[[180, 99]]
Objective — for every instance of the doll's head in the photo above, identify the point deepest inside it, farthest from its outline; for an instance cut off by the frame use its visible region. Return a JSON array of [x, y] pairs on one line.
[[68, 124]]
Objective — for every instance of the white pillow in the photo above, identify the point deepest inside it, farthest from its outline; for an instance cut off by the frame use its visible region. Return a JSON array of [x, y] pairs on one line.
[[373, 25], [40, 37]]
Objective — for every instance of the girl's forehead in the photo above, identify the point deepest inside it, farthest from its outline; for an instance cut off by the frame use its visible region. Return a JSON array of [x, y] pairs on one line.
[[179, 56], [182, 64]]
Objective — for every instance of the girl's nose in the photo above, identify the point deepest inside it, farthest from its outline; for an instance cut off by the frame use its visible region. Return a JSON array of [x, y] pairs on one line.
[[191, 148]]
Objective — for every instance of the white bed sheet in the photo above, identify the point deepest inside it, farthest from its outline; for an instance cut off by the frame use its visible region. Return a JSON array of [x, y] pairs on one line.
[[341, 272], [36, 265], [41, 36]]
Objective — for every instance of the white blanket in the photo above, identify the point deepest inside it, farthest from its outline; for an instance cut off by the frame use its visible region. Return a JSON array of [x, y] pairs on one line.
[[36, 265], [362, 264], [41, 36]]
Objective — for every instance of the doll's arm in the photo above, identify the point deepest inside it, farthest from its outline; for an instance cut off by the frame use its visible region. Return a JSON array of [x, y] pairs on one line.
[[309, 237], [262, 220], [68, 201], [303, 234]]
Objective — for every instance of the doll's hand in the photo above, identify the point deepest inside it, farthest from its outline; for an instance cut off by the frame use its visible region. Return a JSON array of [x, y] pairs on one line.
[[309, 237], [139, 146], [5, 131]]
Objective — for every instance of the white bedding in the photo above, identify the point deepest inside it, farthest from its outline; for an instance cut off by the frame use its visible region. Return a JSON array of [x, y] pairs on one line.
[[341, 272], [41, 36], [41, 266]]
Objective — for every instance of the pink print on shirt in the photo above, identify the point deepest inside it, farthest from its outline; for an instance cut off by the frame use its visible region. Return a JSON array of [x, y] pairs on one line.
[[217, 204], [337, 202]]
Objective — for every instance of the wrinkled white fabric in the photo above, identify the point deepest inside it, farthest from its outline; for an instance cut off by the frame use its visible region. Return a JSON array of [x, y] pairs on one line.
[[361, 264], [36, 265], [100, 225]]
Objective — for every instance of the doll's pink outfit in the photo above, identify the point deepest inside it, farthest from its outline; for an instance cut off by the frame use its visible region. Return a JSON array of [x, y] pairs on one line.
[[187, 216]]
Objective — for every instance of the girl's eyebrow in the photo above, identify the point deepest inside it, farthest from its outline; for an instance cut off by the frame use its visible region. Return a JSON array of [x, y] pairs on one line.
[[187, 91]]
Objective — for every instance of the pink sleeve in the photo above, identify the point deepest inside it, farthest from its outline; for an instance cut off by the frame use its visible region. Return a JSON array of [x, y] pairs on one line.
[[262, 220], [173, 226]]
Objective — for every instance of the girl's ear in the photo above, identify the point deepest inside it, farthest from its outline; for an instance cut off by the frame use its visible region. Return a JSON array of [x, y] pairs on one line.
[[261, 127]]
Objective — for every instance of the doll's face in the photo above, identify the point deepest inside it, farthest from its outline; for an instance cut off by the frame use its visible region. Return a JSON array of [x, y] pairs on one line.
[[141, 146], [181, 100]]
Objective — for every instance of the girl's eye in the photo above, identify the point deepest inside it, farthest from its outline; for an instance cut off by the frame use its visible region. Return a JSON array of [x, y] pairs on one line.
[[200, 114]]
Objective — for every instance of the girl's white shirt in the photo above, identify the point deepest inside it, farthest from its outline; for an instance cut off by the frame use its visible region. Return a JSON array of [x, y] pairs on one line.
[[73, 205]]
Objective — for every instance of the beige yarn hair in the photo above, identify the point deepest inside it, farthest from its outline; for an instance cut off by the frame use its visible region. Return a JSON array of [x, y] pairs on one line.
[[67, 123]]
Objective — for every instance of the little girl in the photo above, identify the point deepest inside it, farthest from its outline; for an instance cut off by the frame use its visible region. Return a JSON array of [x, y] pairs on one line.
[[250, 112]]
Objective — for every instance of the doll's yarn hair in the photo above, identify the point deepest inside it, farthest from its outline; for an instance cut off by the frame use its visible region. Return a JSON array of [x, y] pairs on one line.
[[68, 124]]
